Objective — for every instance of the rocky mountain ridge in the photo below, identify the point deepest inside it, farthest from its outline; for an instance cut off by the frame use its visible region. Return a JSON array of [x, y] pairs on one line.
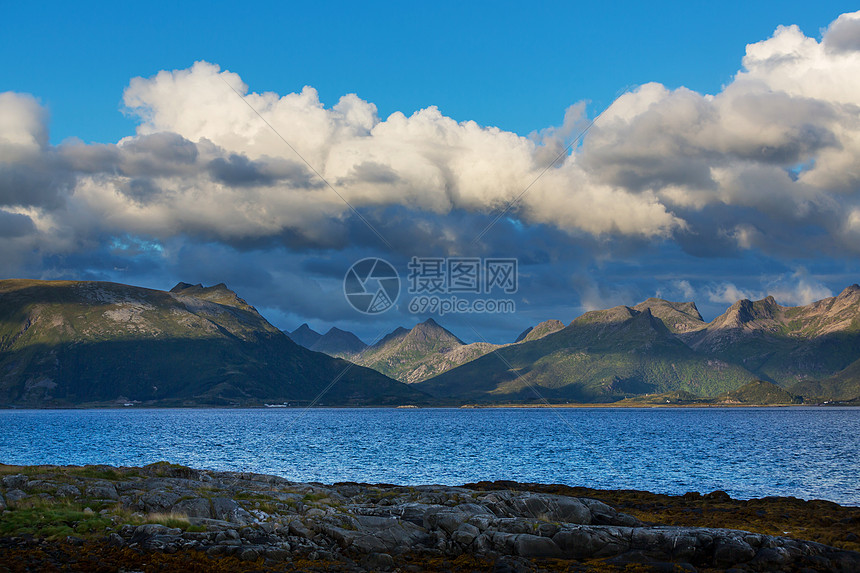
[[68, 343]]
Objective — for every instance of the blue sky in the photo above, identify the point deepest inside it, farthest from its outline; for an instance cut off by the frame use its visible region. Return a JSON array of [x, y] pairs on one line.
[[505, 64], [745, 191]]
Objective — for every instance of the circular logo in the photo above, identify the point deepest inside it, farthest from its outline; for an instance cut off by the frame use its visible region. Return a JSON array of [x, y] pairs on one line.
[[371, 285]]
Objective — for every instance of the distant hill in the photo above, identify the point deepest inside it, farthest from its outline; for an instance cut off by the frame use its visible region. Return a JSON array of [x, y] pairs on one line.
[[335, 342], [420, 353], [340, 343], [759, 392], [843, 386], [665, 349], [602, 356], [68, 343], [304, 336], [786, 345]]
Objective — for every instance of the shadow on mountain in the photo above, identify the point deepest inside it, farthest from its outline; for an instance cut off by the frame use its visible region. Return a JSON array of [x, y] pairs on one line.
[[181, 371]]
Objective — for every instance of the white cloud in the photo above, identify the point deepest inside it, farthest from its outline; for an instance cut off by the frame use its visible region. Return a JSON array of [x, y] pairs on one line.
[[773, 155], [729, 293], [797, 289]]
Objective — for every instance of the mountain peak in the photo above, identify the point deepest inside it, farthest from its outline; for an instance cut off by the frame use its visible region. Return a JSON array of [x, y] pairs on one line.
[[337, 342], [181, 286], [615, 314], [852, 291], [678, 317], [305, 336], [542, 329], [523, 334], [397, 333], [432, 331], [219, 294]]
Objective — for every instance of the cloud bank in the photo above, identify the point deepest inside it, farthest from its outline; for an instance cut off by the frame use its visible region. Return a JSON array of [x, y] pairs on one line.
[[770, 164]]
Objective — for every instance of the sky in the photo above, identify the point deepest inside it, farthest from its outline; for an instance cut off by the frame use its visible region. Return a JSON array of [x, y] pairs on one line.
[[703, 151]]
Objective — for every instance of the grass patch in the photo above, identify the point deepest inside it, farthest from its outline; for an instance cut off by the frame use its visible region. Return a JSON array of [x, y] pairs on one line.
[[173, 520], [52, 521]]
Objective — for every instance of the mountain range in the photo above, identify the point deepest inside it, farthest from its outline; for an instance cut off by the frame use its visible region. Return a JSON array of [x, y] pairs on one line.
[[655, 348], [660, 346], [410, 356], [68, 343], [74, 343]]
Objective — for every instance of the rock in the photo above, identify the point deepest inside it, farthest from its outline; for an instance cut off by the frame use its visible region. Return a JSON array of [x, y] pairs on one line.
[[465, 534], [532, 546], [555, 508], [38, 485], [17, 481], [281, 553], [196, 507], [578, 543], [105, 490], [228, 510], [157, 500], [382, 527], [444, 518], [772, 557], [378, 562], [300, 529], [732, 551], [144, 532], [14, 496], [67, 491], [718, 495], [88, 511]]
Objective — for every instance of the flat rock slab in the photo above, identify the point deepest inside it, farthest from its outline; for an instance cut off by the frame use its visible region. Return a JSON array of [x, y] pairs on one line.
[[266, 519]]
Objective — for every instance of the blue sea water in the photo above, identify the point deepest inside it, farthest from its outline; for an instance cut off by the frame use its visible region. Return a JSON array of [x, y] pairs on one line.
[[748, 452]]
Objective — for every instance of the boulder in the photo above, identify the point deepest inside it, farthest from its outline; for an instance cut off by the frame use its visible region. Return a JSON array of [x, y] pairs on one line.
[[195, 507], [732, 551], [533, 546], [17, 481], [103, 490], [67, 491], [15, 495]]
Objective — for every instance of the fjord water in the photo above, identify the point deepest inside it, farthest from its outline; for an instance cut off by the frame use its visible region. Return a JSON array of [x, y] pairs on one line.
[[748, 452]]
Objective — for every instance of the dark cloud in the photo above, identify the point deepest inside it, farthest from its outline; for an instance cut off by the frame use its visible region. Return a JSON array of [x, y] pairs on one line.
[[371, 172], [15, 225], [237, 170]]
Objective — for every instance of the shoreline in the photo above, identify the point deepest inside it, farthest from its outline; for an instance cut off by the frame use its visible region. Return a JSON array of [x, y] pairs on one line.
[[176, 515], [611, 405]]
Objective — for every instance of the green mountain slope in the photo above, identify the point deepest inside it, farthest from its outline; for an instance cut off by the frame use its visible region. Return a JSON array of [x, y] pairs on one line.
[[601, 356], [759, 392], [69, 343], [843, 386], [415, 355], [677, 316], [543, 329], [786, 345]]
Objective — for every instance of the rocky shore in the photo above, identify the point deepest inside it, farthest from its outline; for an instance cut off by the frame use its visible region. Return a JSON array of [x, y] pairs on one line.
[[167, 517]]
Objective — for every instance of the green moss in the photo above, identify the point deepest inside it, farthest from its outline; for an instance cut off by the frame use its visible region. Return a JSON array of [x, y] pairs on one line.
[[51, 520]]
